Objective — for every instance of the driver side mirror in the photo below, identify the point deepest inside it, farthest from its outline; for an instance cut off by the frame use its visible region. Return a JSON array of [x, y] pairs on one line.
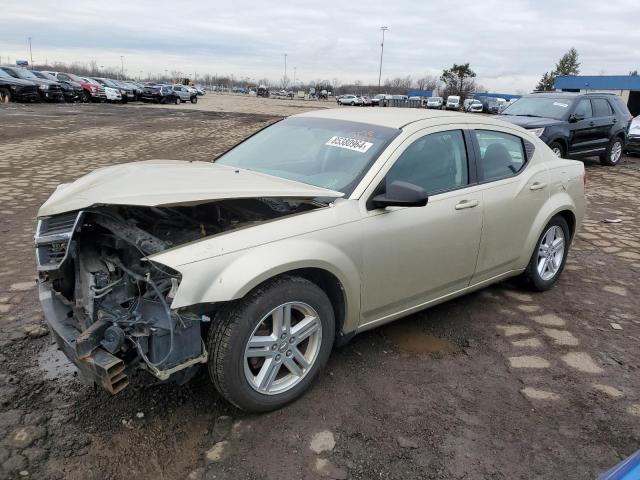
[[400, 194], [576, 117]]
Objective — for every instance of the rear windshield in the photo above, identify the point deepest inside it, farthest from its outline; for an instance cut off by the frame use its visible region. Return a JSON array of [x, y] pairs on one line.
[[328, 153]]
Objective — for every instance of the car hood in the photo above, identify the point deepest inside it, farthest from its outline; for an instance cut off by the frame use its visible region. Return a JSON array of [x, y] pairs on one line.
[[172, 182], [16, 81], [529, 122]]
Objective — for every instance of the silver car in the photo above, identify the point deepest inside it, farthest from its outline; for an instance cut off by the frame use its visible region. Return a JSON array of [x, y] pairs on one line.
[[185, 94], [321, 226]]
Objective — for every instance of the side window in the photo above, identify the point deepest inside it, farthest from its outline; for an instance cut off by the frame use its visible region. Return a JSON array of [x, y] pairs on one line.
[[601, 107], [501, 154], [63, 76], [436, 162], [584, 108]]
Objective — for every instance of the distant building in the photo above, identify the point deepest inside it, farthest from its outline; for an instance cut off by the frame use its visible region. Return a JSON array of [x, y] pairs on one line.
[[627, 86], [419, 93], [484, 95]]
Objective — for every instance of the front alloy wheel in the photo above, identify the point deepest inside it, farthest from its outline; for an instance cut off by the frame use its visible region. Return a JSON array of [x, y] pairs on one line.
[[282, 348], [266, 349]]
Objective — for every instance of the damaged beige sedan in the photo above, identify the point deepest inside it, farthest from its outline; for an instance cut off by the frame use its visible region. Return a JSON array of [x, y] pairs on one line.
[[316, 228]]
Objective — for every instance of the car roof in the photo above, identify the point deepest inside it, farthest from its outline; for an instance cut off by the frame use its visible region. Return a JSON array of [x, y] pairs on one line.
[[393, 117]]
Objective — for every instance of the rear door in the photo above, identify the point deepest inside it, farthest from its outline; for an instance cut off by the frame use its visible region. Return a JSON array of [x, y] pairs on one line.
[[604, 119], [514, 191], [584, 136]]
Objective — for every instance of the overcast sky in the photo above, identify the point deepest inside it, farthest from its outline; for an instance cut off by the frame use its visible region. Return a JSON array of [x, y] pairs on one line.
[[509, 43]]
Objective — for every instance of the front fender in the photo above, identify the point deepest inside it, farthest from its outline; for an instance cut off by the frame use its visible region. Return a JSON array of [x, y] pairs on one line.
[[232, 276]]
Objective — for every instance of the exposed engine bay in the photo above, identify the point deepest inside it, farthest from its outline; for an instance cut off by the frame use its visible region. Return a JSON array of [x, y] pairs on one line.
[[93, 263]]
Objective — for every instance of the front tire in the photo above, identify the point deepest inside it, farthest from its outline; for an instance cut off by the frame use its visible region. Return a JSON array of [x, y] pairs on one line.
[[194, 99], [612, 155], [5, 95], [549, 256], [267, 348]]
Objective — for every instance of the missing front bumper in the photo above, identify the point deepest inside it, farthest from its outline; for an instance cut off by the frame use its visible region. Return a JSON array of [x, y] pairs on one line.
[[98, 366]]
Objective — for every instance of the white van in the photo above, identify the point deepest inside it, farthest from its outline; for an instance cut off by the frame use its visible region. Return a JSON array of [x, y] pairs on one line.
[[453, 102]]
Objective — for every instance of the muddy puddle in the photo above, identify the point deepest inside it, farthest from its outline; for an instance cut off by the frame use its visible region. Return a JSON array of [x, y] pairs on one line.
[[54, 364], [411, 336]]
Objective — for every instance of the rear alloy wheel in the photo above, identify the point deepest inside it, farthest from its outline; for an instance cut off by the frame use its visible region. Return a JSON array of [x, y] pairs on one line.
[[194, 99], [86, 97], [353, 104], [178, 101], [549, 256], [5, 95], [557, 149], [613, 153], [267, 348]]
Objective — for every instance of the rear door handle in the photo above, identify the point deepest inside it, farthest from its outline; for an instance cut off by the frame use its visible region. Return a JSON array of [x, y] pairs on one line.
[[591, 124], [467, 204], [537, 186]]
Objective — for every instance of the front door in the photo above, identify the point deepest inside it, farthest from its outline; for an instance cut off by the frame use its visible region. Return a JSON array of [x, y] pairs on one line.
[[584, 135], [417, 254]]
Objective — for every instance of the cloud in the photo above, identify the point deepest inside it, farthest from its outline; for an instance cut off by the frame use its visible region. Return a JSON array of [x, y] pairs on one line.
[[509, 43]]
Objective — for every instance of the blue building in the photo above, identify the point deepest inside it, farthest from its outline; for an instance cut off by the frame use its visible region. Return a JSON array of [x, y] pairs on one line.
[[419, 93], [484, 95], [627, 86]]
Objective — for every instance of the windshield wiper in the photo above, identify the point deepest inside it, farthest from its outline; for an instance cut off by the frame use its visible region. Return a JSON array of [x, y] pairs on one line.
[[525, 115]]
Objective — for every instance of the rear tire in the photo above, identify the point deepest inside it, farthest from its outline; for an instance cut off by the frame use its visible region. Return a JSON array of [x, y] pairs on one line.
[[194, 99], [549, 257], [612, 155], [236, 371], [86, 97], [178, 101]]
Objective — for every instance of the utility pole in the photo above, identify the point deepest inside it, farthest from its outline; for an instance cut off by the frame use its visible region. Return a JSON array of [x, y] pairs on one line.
[[30, 53], [121, 67], [383, 29]]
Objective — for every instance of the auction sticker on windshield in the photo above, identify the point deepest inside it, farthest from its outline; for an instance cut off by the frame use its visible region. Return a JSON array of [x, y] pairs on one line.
[[563, 105], [349, 143]]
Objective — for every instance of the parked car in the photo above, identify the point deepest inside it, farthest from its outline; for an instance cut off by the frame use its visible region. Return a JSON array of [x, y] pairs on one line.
[[254, 264], [14, 89], [263, 91], [494, 105], [199, 90], [434, 102], [71, 91], [365, 101], [160, 94], [453, 102], [184, 94], [379, 100], [114, 85], [633, 140], [93, 91], [473, 106], [575, 124], [126, 90], [114, 95], [48, 90], [349, 100]]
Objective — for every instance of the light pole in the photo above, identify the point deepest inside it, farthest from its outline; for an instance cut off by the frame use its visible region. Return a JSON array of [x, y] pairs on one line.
[[30, 53], [121, 67], [384, 29]]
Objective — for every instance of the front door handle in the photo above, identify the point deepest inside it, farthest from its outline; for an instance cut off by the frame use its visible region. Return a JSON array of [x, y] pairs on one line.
[[537, 186], [467, 204]]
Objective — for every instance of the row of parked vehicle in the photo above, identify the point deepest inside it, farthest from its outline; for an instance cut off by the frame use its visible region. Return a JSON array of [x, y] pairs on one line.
[[22, 85]]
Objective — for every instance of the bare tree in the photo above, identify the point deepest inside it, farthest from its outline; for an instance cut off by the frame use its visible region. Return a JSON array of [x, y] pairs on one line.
[[428, 82]]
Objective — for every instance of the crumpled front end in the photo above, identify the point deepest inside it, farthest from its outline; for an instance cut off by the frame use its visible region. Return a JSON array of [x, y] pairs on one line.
[[109, 306]]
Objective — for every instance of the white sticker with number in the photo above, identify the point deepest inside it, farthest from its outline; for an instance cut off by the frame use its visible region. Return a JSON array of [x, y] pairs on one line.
[[349, 143]]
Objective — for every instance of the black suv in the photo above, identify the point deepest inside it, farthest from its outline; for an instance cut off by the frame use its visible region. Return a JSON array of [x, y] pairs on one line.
[[159, 94], [575, 124]]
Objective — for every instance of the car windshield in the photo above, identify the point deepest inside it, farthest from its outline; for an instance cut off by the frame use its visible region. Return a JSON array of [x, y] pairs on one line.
[[4, 74], [73, 77], [24, 73], [333, 154], [547, 107]]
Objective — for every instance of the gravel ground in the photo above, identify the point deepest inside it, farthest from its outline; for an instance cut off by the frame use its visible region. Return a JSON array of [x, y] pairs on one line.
[[500, 384]]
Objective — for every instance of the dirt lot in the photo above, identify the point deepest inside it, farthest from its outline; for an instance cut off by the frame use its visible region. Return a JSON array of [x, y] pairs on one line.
[[501, 384]]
